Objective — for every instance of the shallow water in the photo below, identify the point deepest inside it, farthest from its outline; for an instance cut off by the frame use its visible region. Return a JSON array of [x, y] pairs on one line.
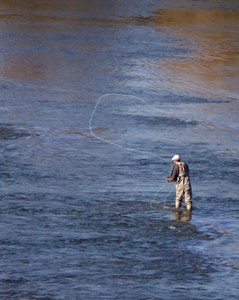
[[95, 98]]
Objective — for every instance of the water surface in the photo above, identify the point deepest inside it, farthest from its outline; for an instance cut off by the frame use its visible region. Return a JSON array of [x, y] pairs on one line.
[[95, 98]]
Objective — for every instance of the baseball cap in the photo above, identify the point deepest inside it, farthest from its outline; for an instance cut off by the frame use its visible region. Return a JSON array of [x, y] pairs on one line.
[[176, 157]]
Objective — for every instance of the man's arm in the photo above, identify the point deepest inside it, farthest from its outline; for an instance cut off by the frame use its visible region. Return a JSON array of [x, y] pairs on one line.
[[174, 174]]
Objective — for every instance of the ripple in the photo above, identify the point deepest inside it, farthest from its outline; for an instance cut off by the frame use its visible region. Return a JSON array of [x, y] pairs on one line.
[[8, 133]]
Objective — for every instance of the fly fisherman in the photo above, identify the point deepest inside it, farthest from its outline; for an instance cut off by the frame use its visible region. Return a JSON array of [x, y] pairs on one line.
[[180, 174]]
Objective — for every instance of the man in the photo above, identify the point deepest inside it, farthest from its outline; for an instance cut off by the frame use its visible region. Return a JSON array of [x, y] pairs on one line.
[[180, 174]]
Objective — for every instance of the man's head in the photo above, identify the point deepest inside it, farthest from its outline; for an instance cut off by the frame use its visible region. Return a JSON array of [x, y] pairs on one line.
[[176, 158]]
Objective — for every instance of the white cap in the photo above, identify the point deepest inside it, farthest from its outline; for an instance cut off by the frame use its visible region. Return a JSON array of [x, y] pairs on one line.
[[176, 157]]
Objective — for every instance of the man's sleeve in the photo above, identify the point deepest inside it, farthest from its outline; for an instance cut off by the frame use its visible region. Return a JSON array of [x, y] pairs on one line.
[[173, 176]]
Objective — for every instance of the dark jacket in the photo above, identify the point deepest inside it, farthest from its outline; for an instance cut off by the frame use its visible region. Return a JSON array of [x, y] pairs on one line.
[[175, 172]]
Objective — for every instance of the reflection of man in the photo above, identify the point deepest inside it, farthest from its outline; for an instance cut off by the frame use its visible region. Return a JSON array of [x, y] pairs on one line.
[[180, 174], [185, 218]]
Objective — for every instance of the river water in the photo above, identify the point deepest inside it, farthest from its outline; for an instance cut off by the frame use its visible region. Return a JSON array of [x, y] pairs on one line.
[[95, 99]]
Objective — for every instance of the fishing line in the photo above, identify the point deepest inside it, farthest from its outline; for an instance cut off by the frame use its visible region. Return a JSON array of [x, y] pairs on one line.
[[110, 95], [149, 63], [118, 145], [189, 87], [156, 194]]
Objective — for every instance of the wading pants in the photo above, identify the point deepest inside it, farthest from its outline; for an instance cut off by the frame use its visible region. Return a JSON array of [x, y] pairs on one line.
[[183, 190]]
